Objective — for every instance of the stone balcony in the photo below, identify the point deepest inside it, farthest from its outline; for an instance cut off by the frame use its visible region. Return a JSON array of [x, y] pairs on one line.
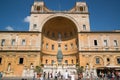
[[25, 48], [100, 48]]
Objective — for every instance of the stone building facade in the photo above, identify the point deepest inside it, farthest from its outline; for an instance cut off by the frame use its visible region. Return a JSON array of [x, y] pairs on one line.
[[39, 45]]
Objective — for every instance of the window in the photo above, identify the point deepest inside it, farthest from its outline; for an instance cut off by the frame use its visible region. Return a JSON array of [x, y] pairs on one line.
[[84, 27], [48, 33], [9, 67], [59, 36], [66, 47], [75, 31], [0, 60], [71, 34], [72, 61], [38, 8], [52, 47], [66, 61], [13, 42], [71, 45], [97, 60], [46, 61], [34, 26], [23, 42], [53, 35], [65, 35], [52, 62], [81, 8], [108, 59], [105, 43], [115, 43], [3, 42], [95, 42], [118, 60], [21, 60], [47, 46]]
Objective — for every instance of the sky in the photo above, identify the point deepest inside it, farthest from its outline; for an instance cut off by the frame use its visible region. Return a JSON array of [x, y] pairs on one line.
[[104, 14]]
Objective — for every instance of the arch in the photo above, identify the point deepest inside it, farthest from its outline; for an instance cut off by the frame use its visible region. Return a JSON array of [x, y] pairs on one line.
[[93, 58], [59, 15]]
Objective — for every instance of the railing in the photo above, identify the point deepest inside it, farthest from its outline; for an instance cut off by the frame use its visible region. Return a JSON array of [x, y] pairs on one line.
[[99, 48], [68, 66], [19, 47]]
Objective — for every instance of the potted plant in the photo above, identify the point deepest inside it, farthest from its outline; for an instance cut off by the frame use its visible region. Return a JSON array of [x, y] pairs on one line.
[[38, 70]]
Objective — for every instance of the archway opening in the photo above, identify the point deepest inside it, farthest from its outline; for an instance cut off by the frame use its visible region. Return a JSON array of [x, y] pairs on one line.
[[63, 30]]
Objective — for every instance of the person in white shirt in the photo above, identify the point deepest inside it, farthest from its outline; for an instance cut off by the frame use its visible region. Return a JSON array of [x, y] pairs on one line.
[[66, 75]]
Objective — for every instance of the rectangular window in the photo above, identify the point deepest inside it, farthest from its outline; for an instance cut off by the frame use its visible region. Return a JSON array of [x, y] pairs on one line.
[[23, 42], [34, 26], [95, 42], [66, 47], [71, 45], [52, 62], [13, 42], [0, 60], [66, 61], [53, 35], [3, 42], [47, 46], [21, 60], [115, 43], [97, 60], [105, 43], [84, 27], [52, 47], [118, 60], [46, 61]]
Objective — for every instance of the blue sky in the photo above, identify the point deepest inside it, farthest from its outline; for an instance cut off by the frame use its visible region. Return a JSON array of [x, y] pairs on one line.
[[104, 14]]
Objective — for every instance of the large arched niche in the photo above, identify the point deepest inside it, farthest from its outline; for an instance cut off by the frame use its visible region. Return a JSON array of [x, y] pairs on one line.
[[67, 30], [71, 19]]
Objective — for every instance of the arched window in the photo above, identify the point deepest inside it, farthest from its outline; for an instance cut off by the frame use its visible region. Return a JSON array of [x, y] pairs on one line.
[[81, 8], [97, 60]]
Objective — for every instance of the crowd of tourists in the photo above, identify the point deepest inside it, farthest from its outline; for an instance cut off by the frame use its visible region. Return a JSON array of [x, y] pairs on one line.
[[58, 76]]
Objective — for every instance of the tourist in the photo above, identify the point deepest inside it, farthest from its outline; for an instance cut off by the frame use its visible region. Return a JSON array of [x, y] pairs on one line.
[[0, 76], [66, 75], [48, 75], [34, 76], [44, 75], [73, 76], [55, 75], [113, 76]]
